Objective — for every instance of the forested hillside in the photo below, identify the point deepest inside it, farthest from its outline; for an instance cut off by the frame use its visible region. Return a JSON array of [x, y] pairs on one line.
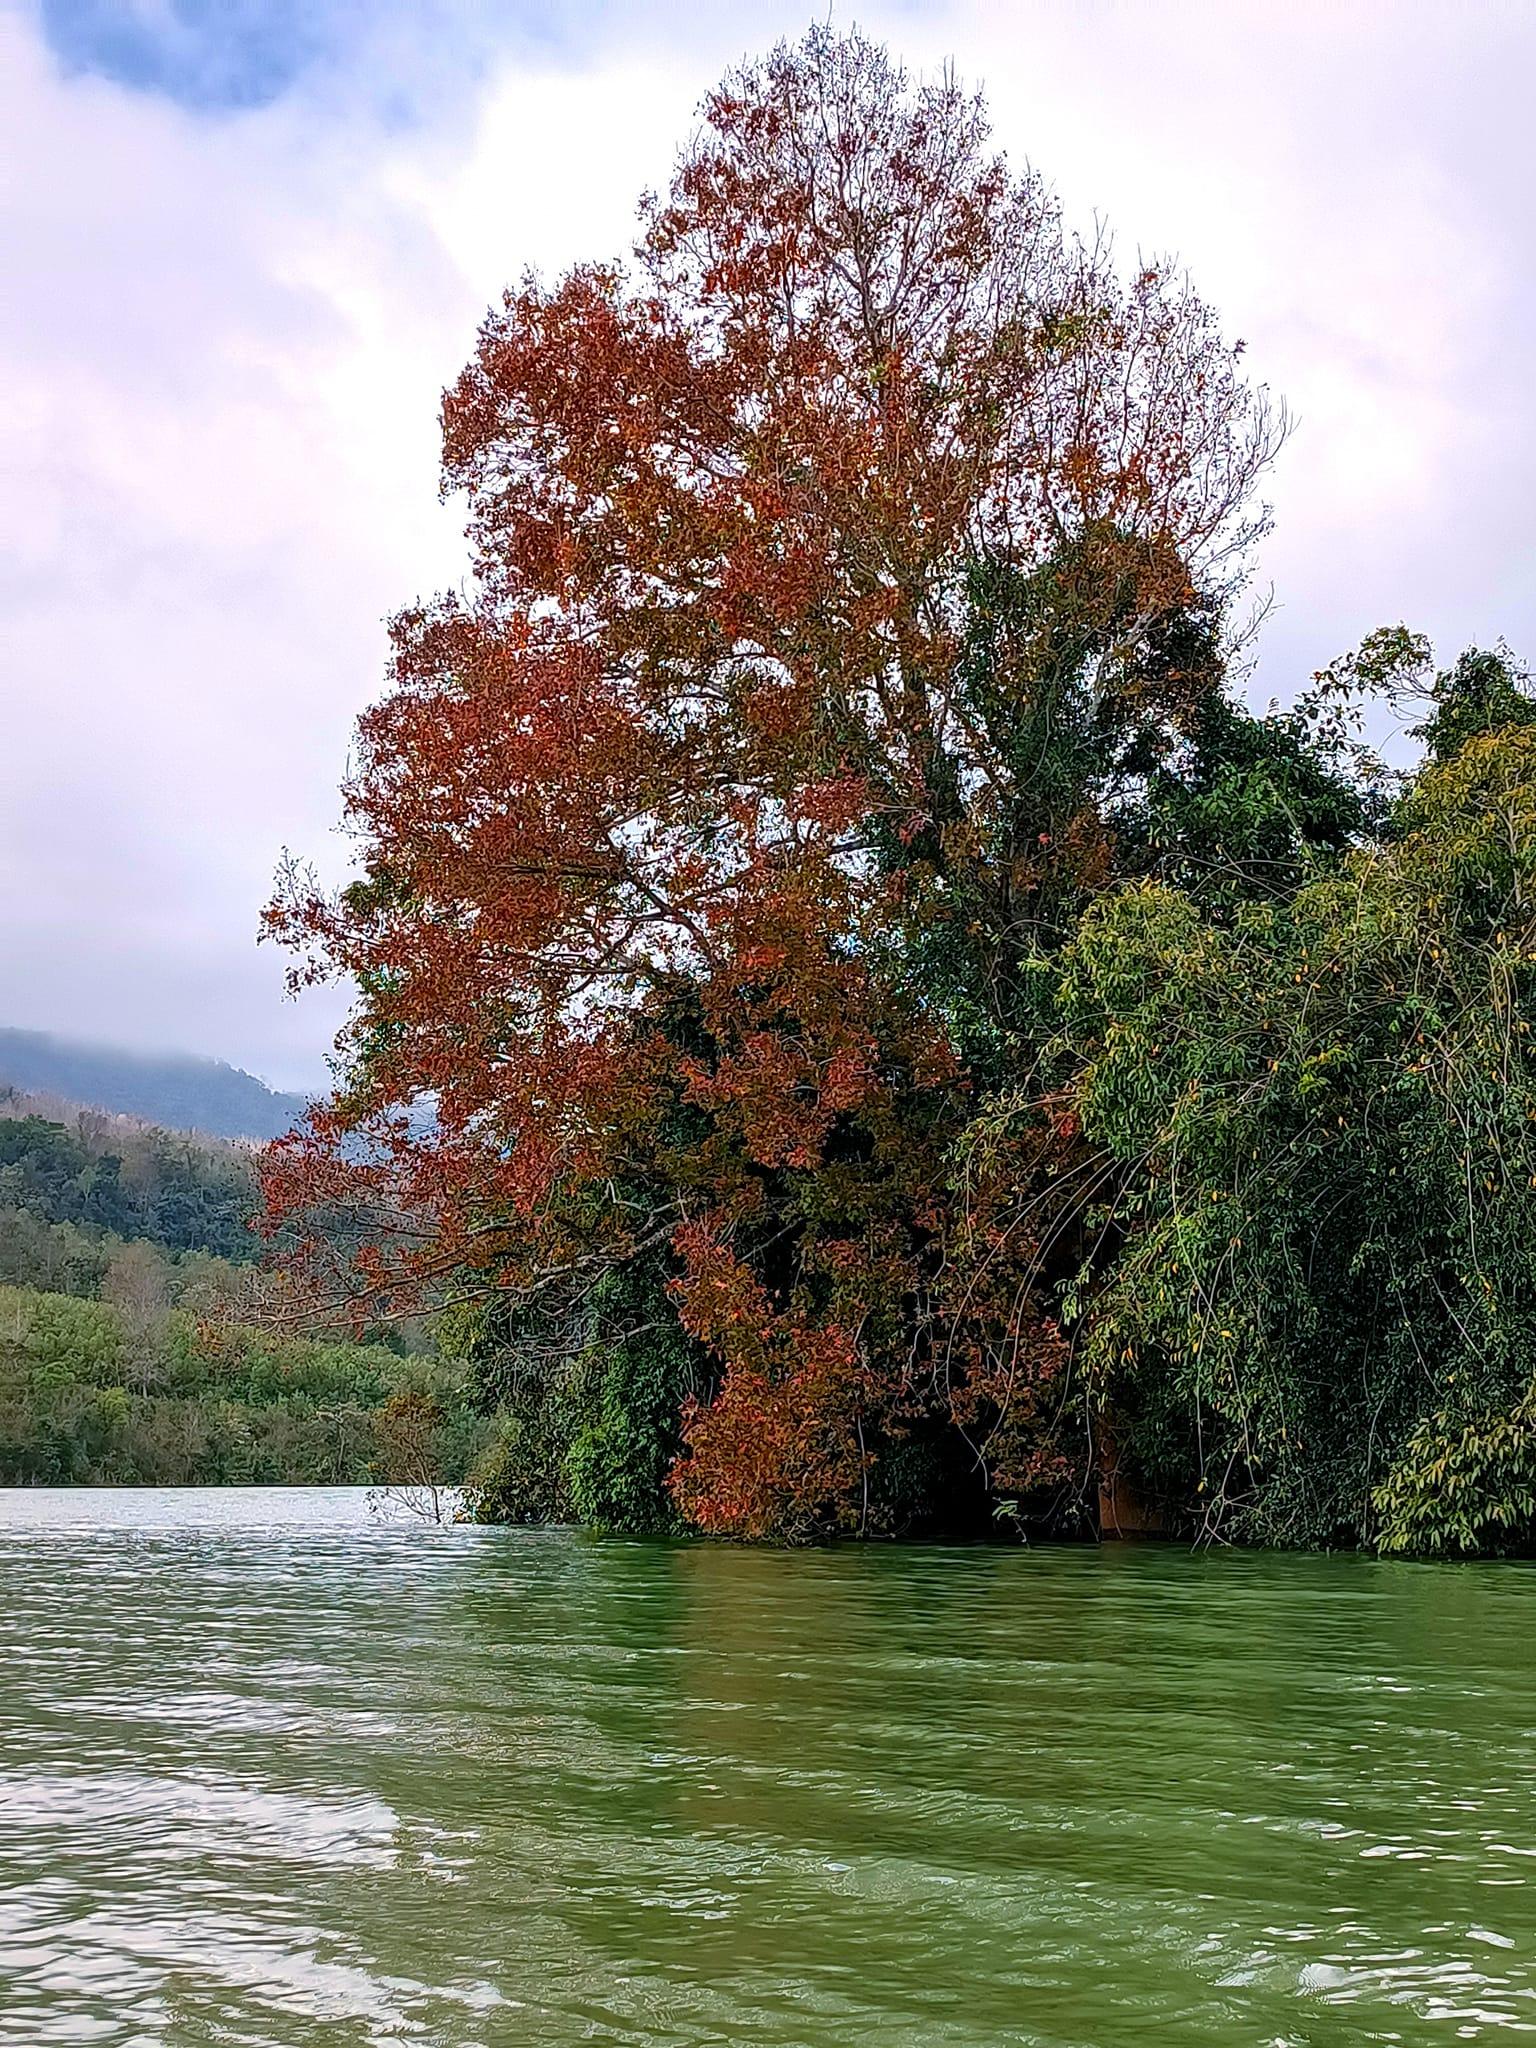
[[128, 1393], [79, 1183], [174, 1090], [127, 1354]]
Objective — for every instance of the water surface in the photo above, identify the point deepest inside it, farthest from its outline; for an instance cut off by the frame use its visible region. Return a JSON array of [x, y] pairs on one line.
[[272, 1772]]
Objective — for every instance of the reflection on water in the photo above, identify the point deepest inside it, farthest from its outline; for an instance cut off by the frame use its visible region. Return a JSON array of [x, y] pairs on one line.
[[272, 1773]]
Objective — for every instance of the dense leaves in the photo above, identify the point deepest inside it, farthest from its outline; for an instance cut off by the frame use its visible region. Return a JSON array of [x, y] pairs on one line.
[[128, 1181], [90, 1394], [1321, 1109], [127, 1354], [893, 1023], [701, 842]]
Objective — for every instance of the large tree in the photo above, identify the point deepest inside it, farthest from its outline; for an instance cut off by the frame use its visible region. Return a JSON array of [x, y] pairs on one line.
[[844, 563]]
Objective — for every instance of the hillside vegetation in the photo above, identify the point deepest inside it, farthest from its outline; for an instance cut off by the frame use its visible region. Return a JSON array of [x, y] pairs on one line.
[[92, 1393], [126, 1263], [174, 1090]]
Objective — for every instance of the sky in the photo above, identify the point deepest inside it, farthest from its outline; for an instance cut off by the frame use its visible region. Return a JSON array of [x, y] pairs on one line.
[[247, 243]]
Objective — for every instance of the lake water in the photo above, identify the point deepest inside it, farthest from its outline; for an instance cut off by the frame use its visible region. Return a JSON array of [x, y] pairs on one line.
[[274, 1773]]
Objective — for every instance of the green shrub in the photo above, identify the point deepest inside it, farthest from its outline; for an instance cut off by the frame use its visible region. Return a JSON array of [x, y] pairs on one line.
[[1462, 1487], [618, 1459], [86, 1399]]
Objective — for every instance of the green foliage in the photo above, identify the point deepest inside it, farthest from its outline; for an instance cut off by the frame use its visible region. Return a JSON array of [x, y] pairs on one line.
[[115, 1244], [617, 1460], [88, 1399], [1318, 1117], [111, 1180], [1079, 706], [588, 1422], [1293, 1028], [519, 1477], [1462, 1487], [1484, 693], [1247, 807]]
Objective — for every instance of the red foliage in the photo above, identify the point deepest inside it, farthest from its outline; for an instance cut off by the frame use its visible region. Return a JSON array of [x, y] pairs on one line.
[[626, 816]]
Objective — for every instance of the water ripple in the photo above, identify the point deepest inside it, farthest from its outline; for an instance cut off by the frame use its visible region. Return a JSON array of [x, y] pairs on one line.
[[271, 1773]]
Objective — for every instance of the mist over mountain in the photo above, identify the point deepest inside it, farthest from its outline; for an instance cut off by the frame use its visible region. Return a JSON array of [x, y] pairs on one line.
[[178, 1091]]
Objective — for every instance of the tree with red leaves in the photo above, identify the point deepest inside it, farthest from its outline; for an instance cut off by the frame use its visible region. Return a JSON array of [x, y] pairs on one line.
[[841, 563]]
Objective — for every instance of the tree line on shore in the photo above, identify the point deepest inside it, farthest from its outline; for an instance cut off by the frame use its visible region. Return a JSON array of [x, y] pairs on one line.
[[130, 1350], [909, 1049], [90, 1395], [96, 1177]]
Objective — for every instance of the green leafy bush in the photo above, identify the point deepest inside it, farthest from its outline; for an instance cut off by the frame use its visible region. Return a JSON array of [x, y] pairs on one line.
[[1462, 1487]]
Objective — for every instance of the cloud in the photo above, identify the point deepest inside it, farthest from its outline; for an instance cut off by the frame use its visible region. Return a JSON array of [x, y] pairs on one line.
[[224, 56], [247, 246], [207, 55], [222, 355], [1353, 188], [201, 537]]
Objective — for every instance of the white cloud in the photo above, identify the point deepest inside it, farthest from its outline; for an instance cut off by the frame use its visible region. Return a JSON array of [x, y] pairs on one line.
[[222, 342], [1352, 187], [221, 364]]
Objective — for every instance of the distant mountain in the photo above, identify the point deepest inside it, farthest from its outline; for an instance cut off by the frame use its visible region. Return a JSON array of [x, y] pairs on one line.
[[175, 1090]]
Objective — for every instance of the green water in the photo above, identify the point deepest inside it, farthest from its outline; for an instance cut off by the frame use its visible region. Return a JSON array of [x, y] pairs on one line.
[[272, 1773]]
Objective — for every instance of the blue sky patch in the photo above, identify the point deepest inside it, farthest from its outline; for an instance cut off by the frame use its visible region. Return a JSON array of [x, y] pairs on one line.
[[221, 55], [226, 56]]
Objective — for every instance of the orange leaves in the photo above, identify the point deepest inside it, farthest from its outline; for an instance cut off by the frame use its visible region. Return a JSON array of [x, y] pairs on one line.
[[775, 1459], [777, 1452], [656, 824], [783, 1098], [835, 803]]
